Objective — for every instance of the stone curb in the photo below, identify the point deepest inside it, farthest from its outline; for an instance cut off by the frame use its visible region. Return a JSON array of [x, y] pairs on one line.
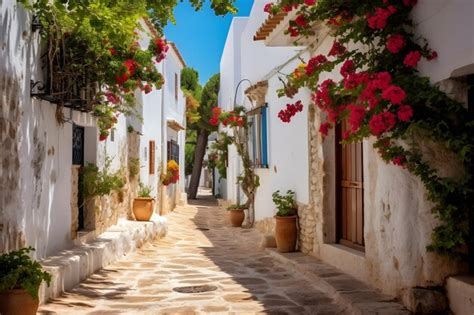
[[69, 267], [356, 296]]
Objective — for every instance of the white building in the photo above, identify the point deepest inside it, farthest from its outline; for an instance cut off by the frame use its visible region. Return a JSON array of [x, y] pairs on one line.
[[248, 65], [40, 159], [389, 248]]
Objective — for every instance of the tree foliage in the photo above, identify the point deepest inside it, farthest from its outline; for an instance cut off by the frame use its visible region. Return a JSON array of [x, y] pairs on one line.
[[209, 99]]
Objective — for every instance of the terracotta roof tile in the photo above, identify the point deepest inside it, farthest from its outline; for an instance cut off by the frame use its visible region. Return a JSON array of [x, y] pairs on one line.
[[269, 25]]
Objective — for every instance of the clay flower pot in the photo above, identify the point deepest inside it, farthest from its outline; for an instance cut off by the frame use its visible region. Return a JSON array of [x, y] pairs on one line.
[[18, 302], [286, 233], [143, 208], [236, 217]]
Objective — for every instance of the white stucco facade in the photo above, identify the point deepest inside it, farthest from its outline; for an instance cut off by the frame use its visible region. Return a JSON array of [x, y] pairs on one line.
[[36, 171], [397, 214], [245, 59]]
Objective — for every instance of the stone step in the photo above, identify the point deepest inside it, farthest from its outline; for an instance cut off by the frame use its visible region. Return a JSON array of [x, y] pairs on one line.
[[354, 295], [72, 266]]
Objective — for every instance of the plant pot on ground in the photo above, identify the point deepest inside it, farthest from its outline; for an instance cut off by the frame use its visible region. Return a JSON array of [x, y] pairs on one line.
[[236, 215], [286, 231], [143, 204], [20, 279]]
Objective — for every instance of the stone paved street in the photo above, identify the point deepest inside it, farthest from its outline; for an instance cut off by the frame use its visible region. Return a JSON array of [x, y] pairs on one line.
[[246, 280]]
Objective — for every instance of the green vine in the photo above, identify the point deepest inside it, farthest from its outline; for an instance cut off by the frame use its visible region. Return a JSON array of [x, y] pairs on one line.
[[236, 120], [219, 153], [383, 95], [93, 54], [101, 182], [133, 167]]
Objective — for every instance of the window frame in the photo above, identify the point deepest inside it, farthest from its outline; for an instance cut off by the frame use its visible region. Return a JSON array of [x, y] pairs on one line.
[[258, 136], [171, 144]]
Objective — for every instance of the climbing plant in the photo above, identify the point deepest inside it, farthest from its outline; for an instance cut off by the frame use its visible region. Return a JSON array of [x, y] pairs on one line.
[[237, 121], [93, 54], [219, 152], [382, 95], [99, 182]]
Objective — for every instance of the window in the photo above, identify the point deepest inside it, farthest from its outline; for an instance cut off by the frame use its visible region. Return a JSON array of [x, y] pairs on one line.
[[173, 151], [258, 136], [176, 86], [152, 157]]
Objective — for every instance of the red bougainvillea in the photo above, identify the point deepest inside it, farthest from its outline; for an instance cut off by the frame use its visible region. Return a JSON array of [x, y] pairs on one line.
[[381, 94], [290, 111], [232, 118]]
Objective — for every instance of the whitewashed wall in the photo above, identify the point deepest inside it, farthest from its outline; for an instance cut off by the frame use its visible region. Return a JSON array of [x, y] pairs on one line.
[[173, 109], [36, 154], [448, 27], [397, 217], [244, 58]]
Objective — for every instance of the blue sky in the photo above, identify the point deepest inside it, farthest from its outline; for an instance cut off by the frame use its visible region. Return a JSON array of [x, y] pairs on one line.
[[200, 36]]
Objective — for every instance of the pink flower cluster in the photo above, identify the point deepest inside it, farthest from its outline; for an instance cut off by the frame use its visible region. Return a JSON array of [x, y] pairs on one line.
[[268, 7], [337, 49], [161, 48], [375, 89], [228, 118], [216, 111], [285, 115], [314, 63], [395, 43], [378, 20], [322, 97]]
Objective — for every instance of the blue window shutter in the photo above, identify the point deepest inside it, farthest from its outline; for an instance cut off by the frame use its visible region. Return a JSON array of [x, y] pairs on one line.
[[264, 137]]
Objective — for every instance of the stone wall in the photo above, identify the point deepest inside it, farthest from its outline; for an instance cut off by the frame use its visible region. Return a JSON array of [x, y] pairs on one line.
[[11, 237], [74, 200]]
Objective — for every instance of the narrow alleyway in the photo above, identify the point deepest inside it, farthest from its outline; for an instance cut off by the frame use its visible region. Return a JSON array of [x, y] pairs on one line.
[[200, 249]]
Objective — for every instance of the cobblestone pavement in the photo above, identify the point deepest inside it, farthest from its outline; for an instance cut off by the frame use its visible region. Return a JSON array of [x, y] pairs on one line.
[[200, 249]]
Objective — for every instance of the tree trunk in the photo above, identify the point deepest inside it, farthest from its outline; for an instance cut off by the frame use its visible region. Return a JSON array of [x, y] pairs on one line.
[[199, 153]]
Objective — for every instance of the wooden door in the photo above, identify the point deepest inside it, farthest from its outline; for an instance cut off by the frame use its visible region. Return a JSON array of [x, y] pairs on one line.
[[350, 192]]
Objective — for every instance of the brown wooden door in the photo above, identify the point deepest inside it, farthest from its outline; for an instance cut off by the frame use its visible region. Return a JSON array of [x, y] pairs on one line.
[[350, 192]]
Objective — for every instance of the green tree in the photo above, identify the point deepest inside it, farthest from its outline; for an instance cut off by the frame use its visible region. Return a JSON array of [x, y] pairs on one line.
[[189, 79], [192, 90], [209, 100]]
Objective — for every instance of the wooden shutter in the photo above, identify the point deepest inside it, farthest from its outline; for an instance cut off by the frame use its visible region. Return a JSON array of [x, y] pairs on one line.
[[350, 192], [151, 162]]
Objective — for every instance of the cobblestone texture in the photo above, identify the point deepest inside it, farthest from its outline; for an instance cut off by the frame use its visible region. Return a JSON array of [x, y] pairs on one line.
[[248, 280]]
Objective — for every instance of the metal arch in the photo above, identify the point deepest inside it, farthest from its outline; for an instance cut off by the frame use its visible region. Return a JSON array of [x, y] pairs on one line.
[[237, 89]]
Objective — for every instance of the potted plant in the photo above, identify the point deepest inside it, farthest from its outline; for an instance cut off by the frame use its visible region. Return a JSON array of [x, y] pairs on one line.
[[20, 279], [285, 229], [143, 204], [236, 214]]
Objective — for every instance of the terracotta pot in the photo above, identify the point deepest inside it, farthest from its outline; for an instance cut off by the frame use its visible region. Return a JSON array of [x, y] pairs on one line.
[[236, 217], [143, 208], [286, 233], [18, 302]]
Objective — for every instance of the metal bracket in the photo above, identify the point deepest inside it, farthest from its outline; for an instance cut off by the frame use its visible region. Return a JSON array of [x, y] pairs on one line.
[[36, 24], [37, 88]]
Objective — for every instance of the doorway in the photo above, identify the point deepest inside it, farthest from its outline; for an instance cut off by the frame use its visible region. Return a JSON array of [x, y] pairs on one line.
[[349, 192], [78, 160]]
